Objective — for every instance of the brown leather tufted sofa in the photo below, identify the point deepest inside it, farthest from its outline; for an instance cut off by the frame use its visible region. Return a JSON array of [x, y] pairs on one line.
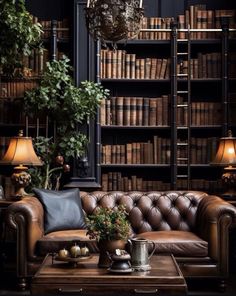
[[192, 225]]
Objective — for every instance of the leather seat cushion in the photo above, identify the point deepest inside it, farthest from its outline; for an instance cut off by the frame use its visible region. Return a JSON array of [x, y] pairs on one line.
[[179, 243], [55, 241]]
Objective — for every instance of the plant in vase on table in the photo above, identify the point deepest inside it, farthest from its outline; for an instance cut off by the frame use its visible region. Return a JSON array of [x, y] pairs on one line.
[[111, 228]]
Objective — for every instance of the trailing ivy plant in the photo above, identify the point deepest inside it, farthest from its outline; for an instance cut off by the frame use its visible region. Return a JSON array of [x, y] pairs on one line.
[[18, 34], [66, 106]]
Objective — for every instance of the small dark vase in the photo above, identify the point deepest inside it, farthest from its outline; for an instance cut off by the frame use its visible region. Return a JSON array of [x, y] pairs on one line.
[[107, 247]]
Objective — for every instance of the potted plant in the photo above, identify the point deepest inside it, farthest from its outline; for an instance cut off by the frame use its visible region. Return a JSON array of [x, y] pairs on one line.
[[111, 228], [66, 106], [19, 35]]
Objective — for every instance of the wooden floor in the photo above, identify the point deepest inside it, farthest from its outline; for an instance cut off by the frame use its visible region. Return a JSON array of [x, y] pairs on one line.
[[8, 287]]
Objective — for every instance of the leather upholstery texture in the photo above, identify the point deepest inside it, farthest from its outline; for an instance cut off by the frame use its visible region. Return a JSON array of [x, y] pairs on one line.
[[192, 225]]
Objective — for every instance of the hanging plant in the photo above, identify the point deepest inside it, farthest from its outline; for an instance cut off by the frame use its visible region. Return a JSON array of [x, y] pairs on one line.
[[19, 35]]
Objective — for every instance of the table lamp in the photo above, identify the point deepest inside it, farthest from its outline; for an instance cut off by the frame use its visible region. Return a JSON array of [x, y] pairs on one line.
[[21, 154], [226, 156]]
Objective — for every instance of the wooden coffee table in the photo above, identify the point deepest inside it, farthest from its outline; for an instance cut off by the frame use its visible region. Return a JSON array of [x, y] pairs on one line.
[[86, 278]]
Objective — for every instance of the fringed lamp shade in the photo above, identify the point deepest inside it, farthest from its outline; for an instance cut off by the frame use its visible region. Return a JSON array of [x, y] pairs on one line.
[[226, 156], [20, 153]]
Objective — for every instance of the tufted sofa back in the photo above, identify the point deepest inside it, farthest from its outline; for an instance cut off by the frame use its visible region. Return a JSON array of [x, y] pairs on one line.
[[150, 211]]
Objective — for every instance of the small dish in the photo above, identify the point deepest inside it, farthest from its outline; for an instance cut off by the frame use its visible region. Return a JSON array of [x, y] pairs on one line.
[[72, 260]]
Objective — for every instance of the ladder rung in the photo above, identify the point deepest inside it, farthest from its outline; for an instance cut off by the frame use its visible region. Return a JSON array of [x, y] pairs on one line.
[[182, 105], [182, 176], [182, 40], [182, 127], [182, 75], [182, 144], [182, 158], [182, 53], [182, 91]]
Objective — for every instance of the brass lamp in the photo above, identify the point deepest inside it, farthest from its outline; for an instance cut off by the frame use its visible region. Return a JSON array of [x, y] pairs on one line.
[[226, 156], [21, 154], [114, 20]]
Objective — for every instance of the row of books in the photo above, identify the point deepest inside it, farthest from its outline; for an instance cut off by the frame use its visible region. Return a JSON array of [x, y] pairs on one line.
[[120, 64], [211, 186], [158, 151], [206, 113], [202, 113], [196, 17], [204, 66], [62, 27], [16, 88], [202, 150], [113, 181], [135, 111]]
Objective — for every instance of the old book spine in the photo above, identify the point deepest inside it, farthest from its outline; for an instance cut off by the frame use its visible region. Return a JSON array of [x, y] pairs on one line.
[[139, 111], [119, 110], [127, 66], [126, 110], [133, 112], [132, 66], [152, 111], [145, 111], [113, 111]]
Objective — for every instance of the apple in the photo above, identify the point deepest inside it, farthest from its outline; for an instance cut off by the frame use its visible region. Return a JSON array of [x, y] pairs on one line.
[[84, 251], [75, 251], [63, 253]]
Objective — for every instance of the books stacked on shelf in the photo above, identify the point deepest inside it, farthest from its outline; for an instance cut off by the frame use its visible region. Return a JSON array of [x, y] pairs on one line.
[[62, 28], [122, 65], [196, 17], [206, 113], [204, 66], [203, 150], [135, 111], [116, 181], [113, 181], [210, 186], [15, 88], [155, 23], [156, 151]]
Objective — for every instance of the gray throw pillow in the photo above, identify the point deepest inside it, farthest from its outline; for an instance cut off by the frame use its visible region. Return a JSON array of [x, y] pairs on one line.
[[62, 209]]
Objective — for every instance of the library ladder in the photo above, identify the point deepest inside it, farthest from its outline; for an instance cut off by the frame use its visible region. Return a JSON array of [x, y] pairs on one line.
[[181, 108]]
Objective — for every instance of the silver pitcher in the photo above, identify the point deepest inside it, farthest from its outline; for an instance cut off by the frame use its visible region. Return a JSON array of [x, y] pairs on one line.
[[139, 253]]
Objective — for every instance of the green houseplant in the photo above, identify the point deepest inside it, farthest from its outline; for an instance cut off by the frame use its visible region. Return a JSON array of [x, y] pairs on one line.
[[111, 228], [19, 34], [66, 106], [108, 224]]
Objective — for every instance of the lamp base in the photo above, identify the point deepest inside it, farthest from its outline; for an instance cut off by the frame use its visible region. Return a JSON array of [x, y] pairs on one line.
[[229, 181], [20, 178]]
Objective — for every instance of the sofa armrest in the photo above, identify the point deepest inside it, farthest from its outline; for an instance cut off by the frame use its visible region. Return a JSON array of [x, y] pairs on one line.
[[27, 218], [214, 218]]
